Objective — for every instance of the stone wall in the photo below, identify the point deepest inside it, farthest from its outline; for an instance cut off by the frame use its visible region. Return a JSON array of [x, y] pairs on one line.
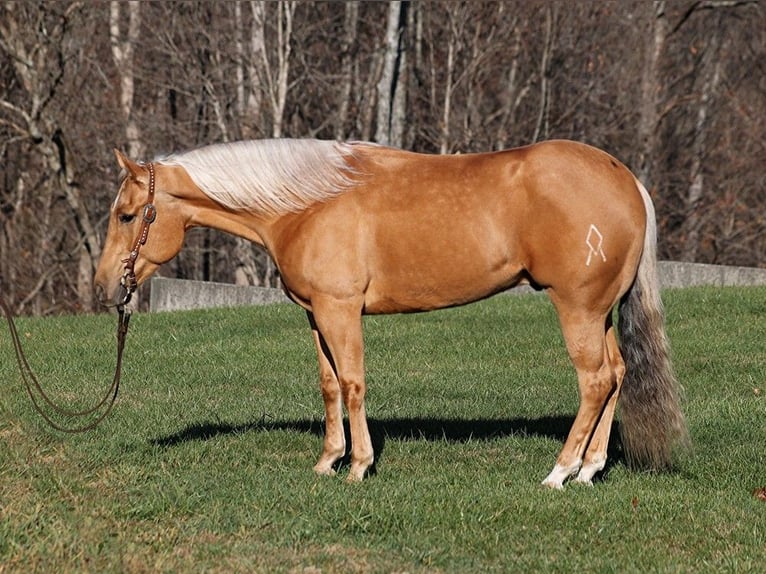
[[177, 294]]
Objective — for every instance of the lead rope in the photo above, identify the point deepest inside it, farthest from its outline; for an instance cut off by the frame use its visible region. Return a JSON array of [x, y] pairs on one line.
[[130, 284], [32, 384]]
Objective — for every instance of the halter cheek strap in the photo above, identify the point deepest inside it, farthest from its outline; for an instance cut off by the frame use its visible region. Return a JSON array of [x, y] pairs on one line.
[[128, 280]]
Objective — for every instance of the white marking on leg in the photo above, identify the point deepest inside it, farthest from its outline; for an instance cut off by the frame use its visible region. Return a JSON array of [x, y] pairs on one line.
[[595, 242], [559, 474], [589, 470], [324, 468]]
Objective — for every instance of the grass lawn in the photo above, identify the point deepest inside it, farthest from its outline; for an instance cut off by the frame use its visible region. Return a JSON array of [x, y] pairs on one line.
[[205, 464]]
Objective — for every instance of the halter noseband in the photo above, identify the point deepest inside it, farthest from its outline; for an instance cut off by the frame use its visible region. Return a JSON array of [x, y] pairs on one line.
[[128, 280]]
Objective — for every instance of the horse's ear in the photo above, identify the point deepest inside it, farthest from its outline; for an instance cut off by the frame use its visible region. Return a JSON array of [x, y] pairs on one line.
[[131, 167]]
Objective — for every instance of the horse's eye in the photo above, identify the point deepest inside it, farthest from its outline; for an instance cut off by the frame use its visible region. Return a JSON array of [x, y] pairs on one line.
[[126, 217]]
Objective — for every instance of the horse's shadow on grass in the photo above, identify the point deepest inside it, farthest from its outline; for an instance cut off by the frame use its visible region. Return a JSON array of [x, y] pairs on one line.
[[404, 429]]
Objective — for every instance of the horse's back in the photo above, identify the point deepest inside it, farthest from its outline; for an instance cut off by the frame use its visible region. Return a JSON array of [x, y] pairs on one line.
[[423, 231], [440, 229]]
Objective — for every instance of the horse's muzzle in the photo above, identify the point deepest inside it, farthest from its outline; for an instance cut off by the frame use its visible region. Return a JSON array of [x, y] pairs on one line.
[[120, 296]]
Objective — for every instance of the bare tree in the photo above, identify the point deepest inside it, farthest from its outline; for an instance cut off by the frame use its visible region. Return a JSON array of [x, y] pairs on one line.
[[676, 89], [514, 91], [276, 80], [706, 33], [541, 127], [649, 119], [456, 21], [388, 130], [39, 60], [350, 27], [249, 48], [248, 111], [710, 76], [123, 50]]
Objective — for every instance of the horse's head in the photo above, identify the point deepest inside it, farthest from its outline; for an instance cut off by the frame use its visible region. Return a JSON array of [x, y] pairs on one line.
[[145, 230]]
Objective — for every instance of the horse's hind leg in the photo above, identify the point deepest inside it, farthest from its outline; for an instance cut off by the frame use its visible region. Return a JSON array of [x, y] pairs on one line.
[[585, 339], [334, 446], [595, 456]]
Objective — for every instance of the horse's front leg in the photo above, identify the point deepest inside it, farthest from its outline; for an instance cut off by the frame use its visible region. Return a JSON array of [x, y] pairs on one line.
[[334, 446], [339, 325]]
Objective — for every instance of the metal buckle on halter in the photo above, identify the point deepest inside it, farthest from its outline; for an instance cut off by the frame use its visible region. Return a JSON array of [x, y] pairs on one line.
[[128, 279], [150, 213], [129, 283]]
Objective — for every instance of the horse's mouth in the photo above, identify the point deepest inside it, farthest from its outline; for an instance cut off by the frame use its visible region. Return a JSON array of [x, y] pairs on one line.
[[120, 297]]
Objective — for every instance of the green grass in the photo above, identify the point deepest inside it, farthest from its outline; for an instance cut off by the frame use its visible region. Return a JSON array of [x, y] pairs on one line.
[[205, 464]]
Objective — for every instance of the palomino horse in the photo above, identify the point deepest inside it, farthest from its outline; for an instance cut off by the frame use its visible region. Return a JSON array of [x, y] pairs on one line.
[[357, 228]]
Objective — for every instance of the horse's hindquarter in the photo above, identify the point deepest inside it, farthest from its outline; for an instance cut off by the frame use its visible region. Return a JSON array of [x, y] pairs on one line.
[[423, 232], [587, 222]]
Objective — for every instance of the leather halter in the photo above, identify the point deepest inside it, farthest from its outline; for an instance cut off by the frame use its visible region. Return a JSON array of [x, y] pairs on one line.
[[128, 280]]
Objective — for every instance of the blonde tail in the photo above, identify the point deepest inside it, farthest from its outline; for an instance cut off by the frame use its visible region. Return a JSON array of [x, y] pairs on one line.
[[652, 425]]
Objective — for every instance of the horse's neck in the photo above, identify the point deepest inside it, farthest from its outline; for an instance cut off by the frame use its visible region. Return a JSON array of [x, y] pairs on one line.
[[242, 224], [199, 210]]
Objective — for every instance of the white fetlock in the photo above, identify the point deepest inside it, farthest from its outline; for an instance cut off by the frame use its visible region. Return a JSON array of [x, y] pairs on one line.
[[589, 470], [356, 474], [324, 467], [359, 469], [582, 480], [559, 474]]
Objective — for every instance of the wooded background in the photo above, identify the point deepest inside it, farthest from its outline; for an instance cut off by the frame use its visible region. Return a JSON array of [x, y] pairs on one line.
[[676, 90]]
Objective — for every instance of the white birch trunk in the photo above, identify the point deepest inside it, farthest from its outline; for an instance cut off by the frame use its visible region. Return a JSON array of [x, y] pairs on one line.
[[249, 45], [387, 84], [347, 64], [123, 49], [285, 12]]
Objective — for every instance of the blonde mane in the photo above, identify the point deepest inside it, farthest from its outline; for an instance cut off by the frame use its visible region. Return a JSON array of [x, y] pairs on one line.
[[274, 176]]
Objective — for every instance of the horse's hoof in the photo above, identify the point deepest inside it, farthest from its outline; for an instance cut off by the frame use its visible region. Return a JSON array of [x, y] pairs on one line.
[[552, 484], [324, 470]]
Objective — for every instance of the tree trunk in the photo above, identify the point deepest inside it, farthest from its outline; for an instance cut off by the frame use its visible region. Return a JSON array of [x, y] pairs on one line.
[[444, 137], [541, 127], [649, 119], [389, 79], [122, 54], [514, 93], [710, 73], [347, 66], [62, 163], [249, 53], [367, 114], [248, 46], [285, 12]]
